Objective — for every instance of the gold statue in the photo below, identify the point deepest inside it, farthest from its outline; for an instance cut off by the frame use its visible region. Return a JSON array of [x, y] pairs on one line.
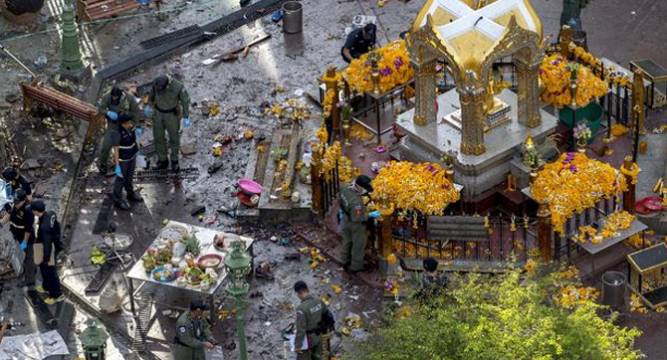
[[495, 87]]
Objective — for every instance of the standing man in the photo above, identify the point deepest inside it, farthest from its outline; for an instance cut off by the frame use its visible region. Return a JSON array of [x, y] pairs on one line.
[[359, 42], [46, 248], [169, 102], [21, 221], [17, 181], [353, 217], [125, 149], [313, 318], [114, 104], [193, 334]]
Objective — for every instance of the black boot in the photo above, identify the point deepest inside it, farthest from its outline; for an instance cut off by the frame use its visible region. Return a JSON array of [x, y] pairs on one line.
[[174, 166], [162, 165]]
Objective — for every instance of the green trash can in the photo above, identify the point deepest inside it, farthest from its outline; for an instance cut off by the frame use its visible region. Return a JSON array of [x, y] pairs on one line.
[[591, 114]]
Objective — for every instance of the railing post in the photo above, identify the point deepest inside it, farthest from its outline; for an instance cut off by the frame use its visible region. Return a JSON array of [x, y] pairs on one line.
[[316, 181], [544, 232], [384, 238], [331, 80]]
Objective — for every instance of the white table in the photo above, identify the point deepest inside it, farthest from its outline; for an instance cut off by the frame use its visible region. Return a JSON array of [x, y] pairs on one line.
[[205, 237]]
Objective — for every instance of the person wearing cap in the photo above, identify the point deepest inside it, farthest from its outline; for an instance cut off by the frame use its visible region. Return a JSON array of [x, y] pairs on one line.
[[359, 42], [46, 249], [353, 217], [112, 105], [13, 177], [125, 149], [21, 225], [311, 315], [193, 334], [169, 103]]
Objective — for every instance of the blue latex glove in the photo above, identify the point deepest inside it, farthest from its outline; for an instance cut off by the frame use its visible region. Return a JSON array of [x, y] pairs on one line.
[[138, 131], [118, 171], [112, 115], [374, 214], [148, 111], [187, 122], [277, 16], [23, 245]]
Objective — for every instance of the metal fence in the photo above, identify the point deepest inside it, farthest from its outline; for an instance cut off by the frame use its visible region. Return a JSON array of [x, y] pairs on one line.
[[330, 189]]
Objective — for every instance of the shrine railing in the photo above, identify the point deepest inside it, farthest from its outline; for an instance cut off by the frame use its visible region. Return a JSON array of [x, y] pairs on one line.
[[330, 187]]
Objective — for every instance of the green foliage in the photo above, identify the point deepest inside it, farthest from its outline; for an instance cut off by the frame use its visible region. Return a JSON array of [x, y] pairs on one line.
[[507, 317]]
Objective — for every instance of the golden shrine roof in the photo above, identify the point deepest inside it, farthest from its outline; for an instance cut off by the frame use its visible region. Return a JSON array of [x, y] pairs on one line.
[[470, 28]]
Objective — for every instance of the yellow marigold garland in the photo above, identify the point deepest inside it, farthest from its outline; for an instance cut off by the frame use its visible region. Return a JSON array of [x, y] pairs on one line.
[[632, 173], [571, 296], [414, 186], [328, 103], [555, 74], [394, 65], [615, 222], [573, 183], [333, 156]]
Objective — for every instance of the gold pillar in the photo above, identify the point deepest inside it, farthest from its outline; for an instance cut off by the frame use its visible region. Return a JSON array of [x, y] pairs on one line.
[[544, 232], [331, 80], [472, 119], [529, 94], [638, 99], [629, 194], [425, 95]]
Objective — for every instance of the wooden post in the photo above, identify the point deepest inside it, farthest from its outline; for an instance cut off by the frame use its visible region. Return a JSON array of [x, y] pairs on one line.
[[316, 182], [544, 232], [385, 239], [629, 194]]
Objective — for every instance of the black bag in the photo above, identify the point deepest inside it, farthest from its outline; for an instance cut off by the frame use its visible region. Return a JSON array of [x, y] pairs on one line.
[[327, 323], [57, 234]]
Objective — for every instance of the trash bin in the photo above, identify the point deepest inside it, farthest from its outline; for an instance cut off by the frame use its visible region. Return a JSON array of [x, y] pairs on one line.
[[613, 290], [292, 17]]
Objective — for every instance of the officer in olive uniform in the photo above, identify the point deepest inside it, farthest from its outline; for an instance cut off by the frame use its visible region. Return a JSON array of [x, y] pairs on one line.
[[309, 323], [21, 225], [193, 334], [112, 105], [124, 140], [353, 217], [170, 102]]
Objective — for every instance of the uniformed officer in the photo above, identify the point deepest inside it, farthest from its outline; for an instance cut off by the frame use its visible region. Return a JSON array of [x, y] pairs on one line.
[[17, 181], [309, 316], [359, 42], [353, 217], [21, 225], [193, 334], [112, 105], [46, 249], [125, 149], [169, 101]]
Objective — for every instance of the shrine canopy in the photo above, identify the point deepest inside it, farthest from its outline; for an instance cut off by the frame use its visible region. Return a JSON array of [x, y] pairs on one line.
[[470, 30]]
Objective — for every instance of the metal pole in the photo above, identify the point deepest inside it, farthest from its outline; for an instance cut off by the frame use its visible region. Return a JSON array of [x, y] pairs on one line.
[[3, 48], [240, 328]]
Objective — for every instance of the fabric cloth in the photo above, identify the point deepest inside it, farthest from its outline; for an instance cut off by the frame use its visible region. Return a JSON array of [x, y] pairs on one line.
[[106, 145], [190, 335], [308, 317], [48, 237], [357, 44], [126, 182], [21, 183], [126, 141], [171, 124], [50, 280], [354, 228]]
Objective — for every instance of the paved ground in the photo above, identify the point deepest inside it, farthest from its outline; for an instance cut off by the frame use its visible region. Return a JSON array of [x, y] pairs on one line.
[[291, 62]]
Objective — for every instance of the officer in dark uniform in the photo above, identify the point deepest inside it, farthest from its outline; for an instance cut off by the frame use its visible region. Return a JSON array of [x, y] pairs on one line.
[[193, 334], [46, 249], [112, 105], [17, 181], [312, 320], [124, 140], [359, 42], [431, 283], [21, 225]]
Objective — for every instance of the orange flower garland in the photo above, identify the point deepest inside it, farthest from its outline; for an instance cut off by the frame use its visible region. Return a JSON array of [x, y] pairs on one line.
[[555, 74], [573, 183], [413, 186], [394, 65]]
